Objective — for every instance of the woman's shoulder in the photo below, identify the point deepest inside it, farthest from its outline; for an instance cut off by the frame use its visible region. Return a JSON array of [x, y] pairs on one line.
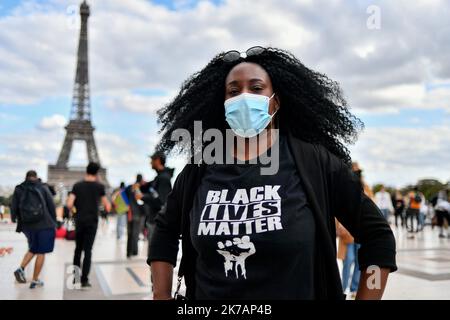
[[317, 153], [189, 168], [189, 173]]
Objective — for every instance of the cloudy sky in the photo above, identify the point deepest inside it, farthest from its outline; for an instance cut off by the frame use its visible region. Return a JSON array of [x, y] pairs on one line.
[[391, 60]]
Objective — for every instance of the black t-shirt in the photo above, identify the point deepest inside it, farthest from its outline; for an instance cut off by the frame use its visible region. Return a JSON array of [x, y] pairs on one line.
[[254, 234], [87, 200]]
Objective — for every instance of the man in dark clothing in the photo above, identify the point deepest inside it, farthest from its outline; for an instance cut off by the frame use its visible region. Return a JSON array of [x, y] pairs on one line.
[[34, 211], [154, 194], [136, 216], [86, 197], [50, 188]]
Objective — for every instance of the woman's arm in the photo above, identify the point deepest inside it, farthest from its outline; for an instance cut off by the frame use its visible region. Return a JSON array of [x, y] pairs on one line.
[[362, 218], [162, 274], [372, 284], [164, 243]]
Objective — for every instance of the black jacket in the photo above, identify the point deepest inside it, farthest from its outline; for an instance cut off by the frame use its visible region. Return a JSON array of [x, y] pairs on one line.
[[162, 185], [49, 220], [332, 191]]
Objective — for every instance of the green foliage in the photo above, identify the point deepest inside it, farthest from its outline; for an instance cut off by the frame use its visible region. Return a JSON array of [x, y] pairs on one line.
[[6, 201], [378, 186], [429, 187]]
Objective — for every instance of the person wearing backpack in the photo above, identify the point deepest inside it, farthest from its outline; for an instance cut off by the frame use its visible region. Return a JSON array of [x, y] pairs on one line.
[[34, 211]]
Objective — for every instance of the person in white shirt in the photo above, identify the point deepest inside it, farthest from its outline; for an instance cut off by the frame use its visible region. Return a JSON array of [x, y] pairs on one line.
[[384, 202], [423, 212], [2, 212], [442, 210]]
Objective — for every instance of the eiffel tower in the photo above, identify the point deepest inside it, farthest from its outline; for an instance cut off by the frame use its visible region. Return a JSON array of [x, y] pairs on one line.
[[80, 127]]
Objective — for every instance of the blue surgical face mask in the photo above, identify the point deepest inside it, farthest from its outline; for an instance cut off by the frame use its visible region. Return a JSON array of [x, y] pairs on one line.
[[248, 114]]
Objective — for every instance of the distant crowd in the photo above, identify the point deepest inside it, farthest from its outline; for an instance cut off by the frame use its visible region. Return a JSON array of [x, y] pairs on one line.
[[408, 210], [33, 209]]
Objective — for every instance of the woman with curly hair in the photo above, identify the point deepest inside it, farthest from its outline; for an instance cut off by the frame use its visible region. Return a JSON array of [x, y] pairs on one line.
[[248, 235]]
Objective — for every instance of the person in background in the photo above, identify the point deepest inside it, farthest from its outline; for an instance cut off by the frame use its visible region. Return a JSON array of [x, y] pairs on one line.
[[359, 173], [413, 209], [348, 253], [399, 208], [442, 210], [50, 188], [384, 202], [348, 248], [67, 214], [136, 215], [2, 212], [104, 217], [121, 206], [86, 197], [423, 212], [5, 251], [154, 194], [33, 209]]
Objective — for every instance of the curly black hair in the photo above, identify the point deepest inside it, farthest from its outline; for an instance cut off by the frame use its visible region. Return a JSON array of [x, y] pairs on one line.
[[312, 106]]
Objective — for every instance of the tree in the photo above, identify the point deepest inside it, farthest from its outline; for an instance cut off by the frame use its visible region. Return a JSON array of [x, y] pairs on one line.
[[6, 201], [388, 189], [3, 201], [429, 187]]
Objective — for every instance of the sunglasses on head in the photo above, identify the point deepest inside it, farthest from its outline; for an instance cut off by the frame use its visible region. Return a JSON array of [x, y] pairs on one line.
[[235, 55]]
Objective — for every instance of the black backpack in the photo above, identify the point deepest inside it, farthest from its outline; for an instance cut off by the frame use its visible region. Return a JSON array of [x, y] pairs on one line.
[[32, 205]]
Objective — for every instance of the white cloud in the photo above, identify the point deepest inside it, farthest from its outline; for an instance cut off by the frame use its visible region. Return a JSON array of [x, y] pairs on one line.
[[124, 158], [14, 165], [438, 98], [364, 50], [137, 44], [414, 120], [136, 102], [6, 191], [53, 122], [35, 149]]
